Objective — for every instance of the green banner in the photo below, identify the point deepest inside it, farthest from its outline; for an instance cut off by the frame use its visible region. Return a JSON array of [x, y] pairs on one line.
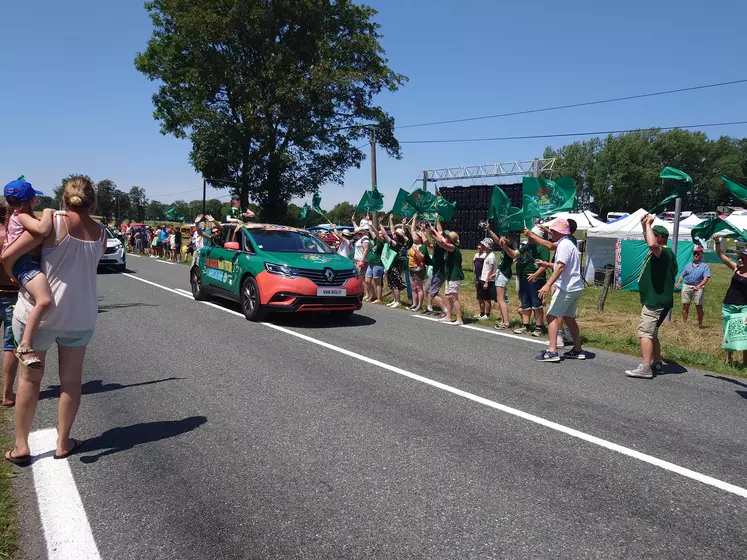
[[675, 174], [371, 201], [543, 197], [316, 203], [507, 218], [679, 192], [707, 229], [305, 213], [402, 207], [444, 208], [388, 256], [423, 201], [737, 190]]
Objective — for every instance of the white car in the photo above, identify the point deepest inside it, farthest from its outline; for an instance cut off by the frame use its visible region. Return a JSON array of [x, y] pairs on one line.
[[114, 255]]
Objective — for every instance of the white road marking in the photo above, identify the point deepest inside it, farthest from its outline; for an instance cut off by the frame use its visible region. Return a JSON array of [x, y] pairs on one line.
[[184, 292], [488, 331], [66, 528], [650, 459], [157, 285]]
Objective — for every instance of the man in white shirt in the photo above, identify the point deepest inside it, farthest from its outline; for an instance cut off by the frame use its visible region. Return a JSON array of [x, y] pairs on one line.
[[568, 285]]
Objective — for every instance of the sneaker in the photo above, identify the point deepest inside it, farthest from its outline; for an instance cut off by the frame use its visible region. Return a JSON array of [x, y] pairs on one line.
[[500, 326], [367, 298], [442, 315], [427, 313], [393, 304], [483, 316], [415, 309], [537, 332], [574, 354], [643, 372], [548, 356], [657, 367], [521, 330]]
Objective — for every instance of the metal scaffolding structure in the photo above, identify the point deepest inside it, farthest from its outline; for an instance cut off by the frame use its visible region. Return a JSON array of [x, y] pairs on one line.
[[535, 167]]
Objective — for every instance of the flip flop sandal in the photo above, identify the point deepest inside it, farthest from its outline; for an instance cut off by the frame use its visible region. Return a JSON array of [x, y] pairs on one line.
[[20, 460], [31, 363], [76, 445]]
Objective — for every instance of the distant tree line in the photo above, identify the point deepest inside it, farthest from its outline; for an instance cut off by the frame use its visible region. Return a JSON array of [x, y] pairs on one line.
[[621, 173], [116, 205]]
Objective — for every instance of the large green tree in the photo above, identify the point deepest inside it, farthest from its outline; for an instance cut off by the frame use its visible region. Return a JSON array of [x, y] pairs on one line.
[[273, 94]]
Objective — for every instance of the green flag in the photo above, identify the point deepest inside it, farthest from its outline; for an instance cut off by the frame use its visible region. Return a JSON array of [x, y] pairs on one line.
[[675, 174], [372, 201], [737, 190], [444, 208], [680, 191], [388, 256], [316, 203], [507, 218], [707, 229], [424, 202], [170, 213], [543, 197], [305, 213], [402, 207]]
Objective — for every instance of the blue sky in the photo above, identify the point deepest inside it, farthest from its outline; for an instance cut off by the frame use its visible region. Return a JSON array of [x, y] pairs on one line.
[[71, 100]]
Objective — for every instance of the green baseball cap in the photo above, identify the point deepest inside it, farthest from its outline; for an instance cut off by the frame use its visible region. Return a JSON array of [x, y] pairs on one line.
[[660, 230]]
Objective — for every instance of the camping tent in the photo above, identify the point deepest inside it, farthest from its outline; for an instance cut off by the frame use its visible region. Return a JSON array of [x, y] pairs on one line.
[[604, 243], [584, 220], [691, 221]]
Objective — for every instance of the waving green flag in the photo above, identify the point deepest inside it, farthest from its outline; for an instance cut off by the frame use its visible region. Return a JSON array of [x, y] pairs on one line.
[[371, 201], [707, 229], [543, 197], [506, 217], [402, 207], [423, 201], [680, 191], [316, 203], [305, 213], [737, 190], [675, 174], [170, 213], [444, 208]]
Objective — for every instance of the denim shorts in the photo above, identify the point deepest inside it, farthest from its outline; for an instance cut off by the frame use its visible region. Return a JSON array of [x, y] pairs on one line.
[[375, 272], [44, 338], [528, 292], [27, 268], [7, 301], [501, 281]]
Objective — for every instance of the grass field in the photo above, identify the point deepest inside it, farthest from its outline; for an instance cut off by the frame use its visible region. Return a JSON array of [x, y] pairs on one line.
[[8, 525], [615, 328]]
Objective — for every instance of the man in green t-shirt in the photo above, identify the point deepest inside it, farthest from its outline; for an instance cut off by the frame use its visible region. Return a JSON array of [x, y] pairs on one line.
[[236, 214], [453, 273], [656, 288], [375, 270]]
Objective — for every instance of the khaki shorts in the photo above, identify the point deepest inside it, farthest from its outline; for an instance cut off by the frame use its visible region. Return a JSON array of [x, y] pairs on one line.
[[690, 294], [650, 321], [452, 287], [564, 304]]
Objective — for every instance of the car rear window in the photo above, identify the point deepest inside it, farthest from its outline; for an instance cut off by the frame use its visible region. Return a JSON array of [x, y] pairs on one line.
[[281, 241]]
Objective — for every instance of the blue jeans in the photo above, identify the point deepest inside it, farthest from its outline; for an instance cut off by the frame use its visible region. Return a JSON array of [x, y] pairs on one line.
[[7, 301], [528, 292]]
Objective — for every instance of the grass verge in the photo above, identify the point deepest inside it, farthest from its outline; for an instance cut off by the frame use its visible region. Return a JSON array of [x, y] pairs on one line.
[[8, 521]]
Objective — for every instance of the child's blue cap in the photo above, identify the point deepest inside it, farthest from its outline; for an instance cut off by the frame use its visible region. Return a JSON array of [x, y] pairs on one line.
[[20, 190]]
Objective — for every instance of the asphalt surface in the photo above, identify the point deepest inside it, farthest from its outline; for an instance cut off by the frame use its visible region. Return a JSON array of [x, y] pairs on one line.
[[207, 436]]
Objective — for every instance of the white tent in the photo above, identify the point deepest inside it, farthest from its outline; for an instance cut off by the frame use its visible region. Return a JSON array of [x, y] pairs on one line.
[[601, 241], [691, 221], [584, 220]]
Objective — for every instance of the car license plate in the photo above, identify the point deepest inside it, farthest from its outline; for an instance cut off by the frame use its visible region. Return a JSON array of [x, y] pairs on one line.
[[331, 292]]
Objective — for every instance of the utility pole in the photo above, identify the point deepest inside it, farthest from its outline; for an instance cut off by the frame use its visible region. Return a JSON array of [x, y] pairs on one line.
[[372, 140], [425, 180], [675, 236]]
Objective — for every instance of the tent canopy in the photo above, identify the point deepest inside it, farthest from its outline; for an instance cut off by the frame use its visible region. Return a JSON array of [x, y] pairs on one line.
[[631, 227], [584, 220], [691, 221]]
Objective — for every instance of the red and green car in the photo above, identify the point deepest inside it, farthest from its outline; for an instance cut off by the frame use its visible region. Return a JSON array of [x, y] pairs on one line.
[[268, 268]]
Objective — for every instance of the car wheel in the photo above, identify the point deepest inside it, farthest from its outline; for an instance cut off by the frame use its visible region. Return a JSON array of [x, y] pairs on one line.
[[250, 300], [198, 290], [342, 314]]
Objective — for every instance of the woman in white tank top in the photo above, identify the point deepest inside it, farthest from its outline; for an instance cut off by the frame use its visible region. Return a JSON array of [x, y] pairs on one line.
[[70, 257]]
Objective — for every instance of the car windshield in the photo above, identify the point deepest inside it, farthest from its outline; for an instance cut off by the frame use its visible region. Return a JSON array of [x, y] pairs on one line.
[[109, 234], [285, 241]]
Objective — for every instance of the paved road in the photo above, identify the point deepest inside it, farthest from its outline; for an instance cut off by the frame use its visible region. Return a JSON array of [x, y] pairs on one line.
[[208, 436]]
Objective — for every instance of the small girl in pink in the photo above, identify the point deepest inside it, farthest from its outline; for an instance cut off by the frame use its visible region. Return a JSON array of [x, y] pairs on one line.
[[24, 262]]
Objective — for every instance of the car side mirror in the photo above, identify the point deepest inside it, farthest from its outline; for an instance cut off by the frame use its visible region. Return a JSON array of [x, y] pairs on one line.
[[231, 245]]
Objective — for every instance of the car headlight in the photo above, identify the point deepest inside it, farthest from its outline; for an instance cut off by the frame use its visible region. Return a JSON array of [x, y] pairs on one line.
[[282, 270]]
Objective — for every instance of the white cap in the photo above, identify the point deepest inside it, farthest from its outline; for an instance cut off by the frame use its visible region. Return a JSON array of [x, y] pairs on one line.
[[537, 231]]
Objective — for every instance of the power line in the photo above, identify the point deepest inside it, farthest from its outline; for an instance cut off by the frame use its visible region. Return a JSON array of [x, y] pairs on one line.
[[572, 105], [597, 133]]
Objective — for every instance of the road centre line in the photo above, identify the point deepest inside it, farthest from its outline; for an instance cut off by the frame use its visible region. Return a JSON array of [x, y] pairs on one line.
[[66, 528], [651, 460], [486, 331]]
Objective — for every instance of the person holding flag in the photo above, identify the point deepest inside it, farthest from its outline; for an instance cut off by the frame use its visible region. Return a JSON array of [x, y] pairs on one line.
[[656, 288], [453, 273], [734, 307], [438, 274]]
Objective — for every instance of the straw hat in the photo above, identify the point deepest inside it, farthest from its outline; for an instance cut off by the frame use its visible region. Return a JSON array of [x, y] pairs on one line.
[[454, 236]]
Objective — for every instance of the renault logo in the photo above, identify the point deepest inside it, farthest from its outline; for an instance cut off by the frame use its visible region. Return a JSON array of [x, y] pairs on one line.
[[329, 274]]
